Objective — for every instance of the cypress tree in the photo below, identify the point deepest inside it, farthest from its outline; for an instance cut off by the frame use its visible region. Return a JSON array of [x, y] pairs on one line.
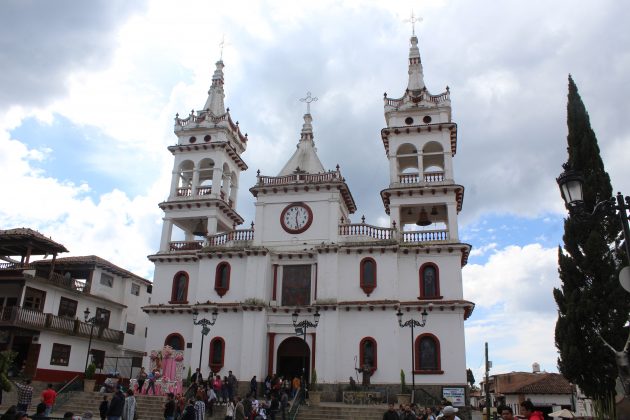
[[592, 306]]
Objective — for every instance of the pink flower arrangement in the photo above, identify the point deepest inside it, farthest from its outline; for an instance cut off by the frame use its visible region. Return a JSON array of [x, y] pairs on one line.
[[167, 352], [179, 357]]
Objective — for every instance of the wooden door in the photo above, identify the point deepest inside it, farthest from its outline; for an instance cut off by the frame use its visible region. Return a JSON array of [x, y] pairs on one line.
[[31, 360]]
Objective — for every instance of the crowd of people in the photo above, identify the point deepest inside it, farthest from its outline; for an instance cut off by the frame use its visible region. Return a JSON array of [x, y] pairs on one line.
[[415, 412]]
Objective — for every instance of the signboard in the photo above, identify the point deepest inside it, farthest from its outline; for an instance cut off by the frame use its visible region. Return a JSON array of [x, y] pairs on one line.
[[456, 395]]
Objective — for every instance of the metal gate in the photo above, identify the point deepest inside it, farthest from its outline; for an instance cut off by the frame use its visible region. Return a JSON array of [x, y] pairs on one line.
[[124, 366]]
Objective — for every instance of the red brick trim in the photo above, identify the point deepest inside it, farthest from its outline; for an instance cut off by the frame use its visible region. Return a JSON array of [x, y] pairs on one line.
[[174, 288], [216, 367], [362, 352], [367, 288]]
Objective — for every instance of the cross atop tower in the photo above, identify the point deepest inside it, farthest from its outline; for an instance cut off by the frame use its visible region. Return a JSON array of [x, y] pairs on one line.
[[221, 45], [413, 19], [308, 101]]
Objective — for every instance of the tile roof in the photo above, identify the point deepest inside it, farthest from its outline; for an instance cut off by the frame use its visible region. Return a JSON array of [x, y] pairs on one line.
[[95, 260], [42, 241], [531, 383]]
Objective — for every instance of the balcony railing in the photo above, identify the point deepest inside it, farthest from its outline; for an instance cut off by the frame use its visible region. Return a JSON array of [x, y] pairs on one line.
[[186, 193], [185, 245], [305, 178], [425, 235], [361, 229], [30, 318], [14, 266], [237, 235], [414, 178]]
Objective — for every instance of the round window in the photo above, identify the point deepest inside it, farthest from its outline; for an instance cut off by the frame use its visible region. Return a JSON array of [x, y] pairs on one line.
[[192, 139], [408, 120], [207, 138], [426, 119]]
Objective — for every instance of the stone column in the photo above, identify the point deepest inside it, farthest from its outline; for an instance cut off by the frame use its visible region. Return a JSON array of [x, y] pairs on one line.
[[167, 231]]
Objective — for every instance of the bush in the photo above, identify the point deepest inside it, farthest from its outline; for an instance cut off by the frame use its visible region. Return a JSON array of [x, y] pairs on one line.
[[403, 385], [90, 371]]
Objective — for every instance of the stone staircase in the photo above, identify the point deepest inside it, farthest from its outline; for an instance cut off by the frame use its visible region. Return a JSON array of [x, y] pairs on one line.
[[149, 407], [339, 411]]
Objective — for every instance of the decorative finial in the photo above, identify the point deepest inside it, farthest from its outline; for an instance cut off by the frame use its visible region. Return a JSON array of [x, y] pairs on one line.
[[258, 172], [252, 225], [337, 167], [413, 19], [363, 219], [308, 101]]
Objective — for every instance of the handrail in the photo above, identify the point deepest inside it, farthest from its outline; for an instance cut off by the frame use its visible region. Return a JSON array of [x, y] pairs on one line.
[[362, 229], [233, 235], [63, 395], [295, 405], [306, 178]]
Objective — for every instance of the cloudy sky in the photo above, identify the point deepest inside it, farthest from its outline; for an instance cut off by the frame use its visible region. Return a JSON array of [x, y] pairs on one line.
[[88, 91]]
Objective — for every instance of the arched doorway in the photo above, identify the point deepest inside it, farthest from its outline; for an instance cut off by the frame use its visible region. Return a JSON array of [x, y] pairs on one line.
[[294, 357]]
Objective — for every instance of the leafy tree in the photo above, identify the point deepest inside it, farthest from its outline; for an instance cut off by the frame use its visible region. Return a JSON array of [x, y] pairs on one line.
[[470, 378], [592, 306], [6, 359]]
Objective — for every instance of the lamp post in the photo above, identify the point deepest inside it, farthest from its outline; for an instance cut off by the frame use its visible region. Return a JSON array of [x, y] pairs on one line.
[[571, 187], [92, 321], [412, 323], [206, 324], [300, 329]]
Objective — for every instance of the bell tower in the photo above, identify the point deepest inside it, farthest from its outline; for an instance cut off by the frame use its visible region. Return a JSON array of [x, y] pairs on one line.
[[420, 141], [205, 178]]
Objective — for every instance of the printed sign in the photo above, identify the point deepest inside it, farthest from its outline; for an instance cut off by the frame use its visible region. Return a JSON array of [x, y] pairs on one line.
[[456, 395]]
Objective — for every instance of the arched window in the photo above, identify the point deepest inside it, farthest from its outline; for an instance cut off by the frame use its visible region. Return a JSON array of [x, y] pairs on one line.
[[429, 281], [427, 347], [368, 353], [217, 354], [368, 275], [175, 340], [222, 279], [179, 292]]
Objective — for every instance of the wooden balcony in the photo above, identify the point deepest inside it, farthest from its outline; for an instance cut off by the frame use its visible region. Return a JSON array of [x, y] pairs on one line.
[[32, 319]]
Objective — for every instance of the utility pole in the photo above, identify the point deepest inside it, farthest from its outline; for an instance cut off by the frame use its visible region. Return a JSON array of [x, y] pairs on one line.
[[487, 384]]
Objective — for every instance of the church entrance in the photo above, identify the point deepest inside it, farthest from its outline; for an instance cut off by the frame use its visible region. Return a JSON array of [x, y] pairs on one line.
[[294, 357]]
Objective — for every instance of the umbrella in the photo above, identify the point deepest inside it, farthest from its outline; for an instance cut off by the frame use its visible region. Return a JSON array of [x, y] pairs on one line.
[[564, 413]]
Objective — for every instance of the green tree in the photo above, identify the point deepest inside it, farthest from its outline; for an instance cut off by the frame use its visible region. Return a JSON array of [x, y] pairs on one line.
[[592, 306], [470, 378]]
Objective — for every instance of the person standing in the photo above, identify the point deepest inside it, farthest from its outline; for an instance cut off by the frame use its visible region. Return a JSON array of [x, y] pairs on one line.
[[49, 395], [295, 386], [448, 413], [200, 409], [253, 386], [140, 378], [102, 409], [196, 377], [528, 412], [212, 398], [116, 406], [506, 412], [189, 411], [24, 395], [129, 408], [229, 411], [274, 407], [284, 403], [391, 413], [239, 410], [169, 407], [232, 385]]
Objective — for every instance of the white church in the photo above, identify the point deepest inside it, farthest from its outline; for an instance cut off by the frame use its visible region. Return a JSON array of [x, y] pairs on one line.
[[307, 258]]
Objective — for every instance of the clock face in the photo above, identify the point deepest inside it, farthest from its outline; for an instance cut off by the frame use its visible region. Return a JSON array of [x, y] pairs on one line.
[[296, 218]]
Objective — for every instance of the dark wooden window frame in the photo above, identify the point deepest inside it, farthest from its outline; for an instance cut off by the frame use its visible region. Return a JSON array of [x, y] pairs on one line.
[[367, 288], [437, 281], [67, 307], [131, 328], [221, 291], [362, 352], [214, 366], [174, 288], [418, 369], [60, 354]]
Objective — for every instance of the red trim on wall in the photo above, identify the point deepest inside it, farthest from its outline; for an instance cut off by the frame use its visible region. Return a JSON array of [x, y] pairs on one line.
[[53, 375], [362, 353], [271, 338], [181, 340], [367, 288], [275, 282], [314, 341], [174, 288], [315, 281], [416, 347], [222, 290], [216, 367], [437, 281]]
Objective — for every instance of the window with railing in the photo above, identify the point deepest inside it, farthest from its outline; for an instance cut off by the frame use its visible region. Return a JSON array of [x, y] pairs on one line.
[[60, 355]]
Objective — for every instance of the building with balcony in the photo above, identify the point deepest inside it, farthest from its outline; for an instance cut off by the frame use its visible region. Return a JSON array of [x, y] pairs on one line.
[[305, 255], [43, 305]]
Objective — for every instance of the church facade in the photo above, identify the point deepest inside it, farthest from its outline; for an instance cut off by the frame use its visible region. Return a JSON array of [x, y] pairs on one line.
[[307, 258]]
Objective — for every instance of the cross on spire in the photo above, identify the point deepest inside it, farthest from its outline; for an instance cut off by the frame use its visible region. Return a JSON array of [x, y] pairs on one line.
[[413, 19], [308, 101], [221, 45]]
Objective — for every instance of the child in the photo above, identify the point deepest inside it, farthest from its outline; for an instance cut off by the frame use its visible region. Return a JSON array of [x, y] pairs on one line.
[[102, 409]]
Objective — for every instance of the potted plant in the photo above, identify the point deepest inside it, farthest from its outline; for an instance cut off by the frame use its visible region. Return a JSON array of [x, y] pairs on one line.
[[314, 395], [88, 381], [405, 396]]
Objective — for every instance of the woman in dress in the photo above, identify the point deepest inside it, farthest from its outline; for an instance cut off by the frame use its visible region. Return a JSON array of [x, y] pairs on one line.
[[129, 409]]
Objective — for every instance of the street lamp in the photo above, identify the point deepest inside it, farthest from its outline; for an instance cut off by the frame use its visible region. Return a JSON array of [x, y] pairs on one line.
[[206, 324], [571, 183], [412, 323], [92, 321], [300, 329]]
